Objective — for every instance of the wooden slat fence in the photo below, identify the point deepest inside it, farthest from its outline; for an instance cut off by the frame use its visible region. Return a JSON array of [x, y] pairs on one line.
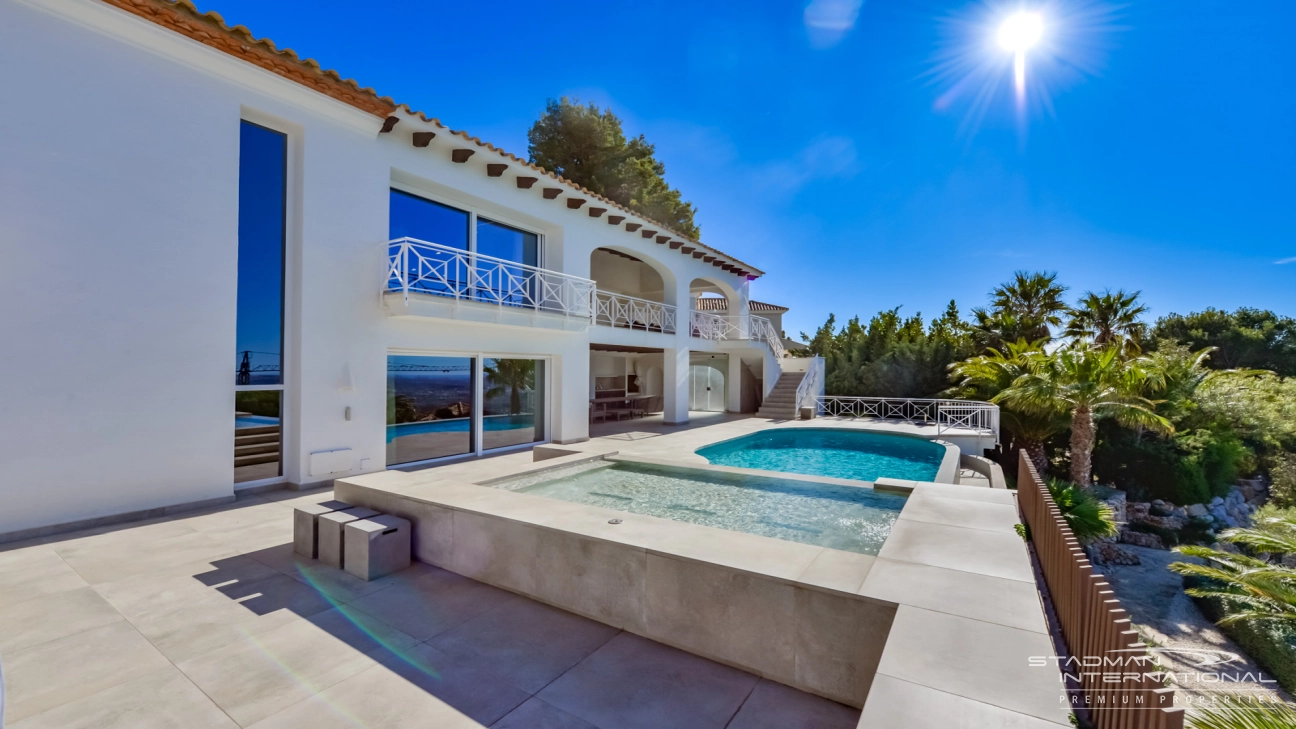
[[1093, 623]]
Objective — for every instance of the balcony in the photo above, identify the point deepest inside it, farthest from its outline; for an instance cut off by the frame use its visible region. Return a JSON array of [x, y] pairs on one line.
[[716, 327], [629, 312], [493, 287]]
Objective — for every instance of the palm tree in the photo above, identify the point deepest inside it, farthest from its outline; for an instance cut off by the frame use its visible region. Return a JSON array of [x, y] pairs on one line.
[[1088, 517], [515, 374], [1252, 589], [1108, 318], [1024, 308], [986, 376], [1086, 382]]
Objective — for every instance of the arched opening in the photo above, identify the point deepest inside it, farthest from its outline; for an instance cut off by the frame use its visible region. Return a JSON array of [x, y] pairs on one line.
[[633, 293]]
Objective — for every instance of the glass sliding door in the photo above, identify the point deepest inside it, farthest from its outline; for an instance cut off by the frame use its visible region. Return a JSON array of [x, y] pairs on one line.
[[258, 356], [513, 403], [501, 283], [430, 406], [432, 270]]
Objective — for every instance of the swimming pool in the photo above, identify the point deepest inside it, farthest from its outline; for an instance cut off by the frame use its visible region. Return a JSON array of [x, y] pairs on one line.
[[850, 518], [254, 421], [836, 452], [459, 425]]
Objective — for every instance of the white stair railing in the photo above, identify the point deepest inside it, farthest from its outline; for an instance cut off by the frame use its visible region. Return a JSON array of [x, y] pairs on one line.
[[980, 417], [619, 310], [811, 387], [705, 325], [419, 267], [763, 330]]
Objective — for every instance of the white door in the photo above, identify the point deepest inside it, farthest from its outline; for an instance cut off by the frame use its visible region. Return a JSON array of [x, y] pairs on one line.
[[706, 389]]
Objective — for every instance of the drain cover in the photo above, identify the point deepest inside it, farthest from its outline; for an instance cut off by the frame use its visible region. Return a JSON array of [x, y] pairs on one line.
[[614, 521]]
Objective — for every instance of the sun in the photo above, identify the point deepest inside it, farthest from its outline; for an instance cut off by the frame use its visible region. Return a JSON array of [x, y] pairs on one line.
[[1021, 31]]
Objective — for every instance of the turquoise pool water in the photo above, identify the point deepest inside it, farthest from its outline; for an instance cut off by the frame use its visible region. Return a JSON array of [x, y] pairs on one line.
[[851, 518], [854, 454], [254, 421], [460, 425]]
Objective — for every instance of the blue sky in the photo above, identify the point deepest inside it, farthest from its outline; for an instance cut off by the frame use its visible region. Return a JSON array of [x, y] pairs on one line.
[[826, 145]]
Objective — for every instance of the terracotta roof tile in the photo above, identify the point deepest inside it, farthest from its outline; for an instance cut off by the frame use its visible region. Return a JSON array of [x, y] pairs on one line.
[[712, 303], [210, 29]]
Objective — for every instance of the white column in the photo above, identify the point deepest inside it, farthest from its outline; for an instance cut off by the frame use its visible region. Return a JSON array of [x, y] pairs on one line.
[[570, 397], [743, 311], [675, 384], [733, 384]]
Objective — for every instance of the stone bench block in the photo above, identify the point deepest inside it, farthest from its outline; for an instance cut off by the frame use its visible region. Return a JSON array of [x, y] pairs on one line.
[[376, 546], [306, 525], [331, 546]]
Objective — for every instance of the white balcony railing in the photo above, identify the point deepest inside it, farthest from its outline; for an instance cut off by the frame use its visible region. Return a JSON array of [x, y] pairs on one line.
[[981, 417], [812, 385], [705, 325], [419, 267], [628, 312]]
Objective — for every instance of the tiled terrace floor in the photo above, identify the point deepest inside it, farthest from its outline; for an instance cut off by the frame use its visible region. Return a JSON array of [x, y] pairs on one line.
[[208, 619]]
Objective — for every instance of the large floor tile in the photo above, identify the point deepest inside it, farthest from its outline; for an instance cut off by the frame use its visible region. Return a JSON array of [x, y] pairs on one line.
[[993, 599], [43, 677], [960, 512], [958, 548], [117, 559], [376, 698], [775, 706], [892, 703], [635, 683], [471, 689], [431, 602], [527, 642], [33, 572], [265, 674], [185, 618], [537, 714], [47, 618], [161, 699], [925, 648]]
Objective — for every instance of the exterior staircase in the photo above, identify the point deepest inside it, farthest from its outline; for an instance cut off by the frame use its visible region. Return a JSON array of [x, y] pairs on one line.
[[780, 403], [253, 446]]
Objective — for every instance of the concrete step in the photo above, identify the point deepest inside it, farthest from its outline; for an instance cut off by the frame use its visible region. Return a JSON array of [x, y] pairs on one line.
[[259, 430], [254, 449], [241, 440], [256, 459]]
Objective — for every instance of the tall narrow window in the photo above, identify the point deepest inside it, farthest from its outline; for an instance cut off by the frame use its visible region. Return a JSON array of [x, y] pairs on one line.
[[430, 406], [258, 356]]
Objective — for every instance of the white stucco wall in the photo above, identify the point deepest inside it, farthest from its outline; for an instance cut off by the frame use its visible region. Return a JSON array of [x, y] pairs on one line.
[[118, 236]]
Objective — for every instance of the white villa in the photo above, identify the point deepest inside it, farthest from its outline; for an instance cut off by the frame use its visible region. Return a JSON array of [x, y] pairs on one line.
[[239, 270]]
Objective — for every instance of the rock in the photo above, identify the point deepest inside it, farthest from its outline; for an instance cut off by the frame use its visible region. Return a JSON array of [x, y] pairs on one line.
[[1197, 510], [1217, 501], [1118, 504], [1108, 553], [1163, 522], [1288, 560], [1139, 539], [1137, 510], [1247, 490], [1180, 512]]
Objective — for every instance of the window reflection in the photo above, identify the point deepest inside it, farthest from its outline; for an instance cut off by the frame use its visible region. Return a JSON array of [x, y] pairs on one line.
[[429, 407], [257, 435], [513, 410]]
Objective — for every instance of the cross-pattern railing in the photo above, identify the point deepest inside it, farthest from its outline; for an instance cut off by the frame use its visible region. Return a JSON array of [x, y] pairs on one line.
[[416, 266], [763, 330], [619, 310], [982, 417], [705, 325]]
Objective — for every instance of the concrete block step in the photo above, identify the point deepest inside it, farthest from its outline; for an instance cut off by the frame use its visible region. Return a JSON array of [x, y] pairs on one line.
[[256, 459], [240, 440], [258, 430], [254, 449]]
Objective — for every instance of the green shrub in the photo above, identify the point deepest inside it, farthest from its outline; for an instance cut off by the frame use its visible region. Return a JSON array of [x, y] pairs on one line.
[[1282, 471], [258, 402], [1270, 645], [1220, 454], [1088, 517]]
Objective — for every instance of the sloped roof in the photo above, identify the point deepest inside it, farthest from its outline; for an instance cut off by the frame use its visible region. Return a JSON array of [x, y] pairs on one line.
[[712, 303], [210, 29]]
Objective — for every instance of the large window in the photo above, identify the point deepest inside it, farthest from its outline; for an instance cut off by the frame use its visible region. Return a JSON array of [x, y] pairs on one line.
[[513, 408], [511, 244], [258, 356], [430, 407], [415, 217]]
